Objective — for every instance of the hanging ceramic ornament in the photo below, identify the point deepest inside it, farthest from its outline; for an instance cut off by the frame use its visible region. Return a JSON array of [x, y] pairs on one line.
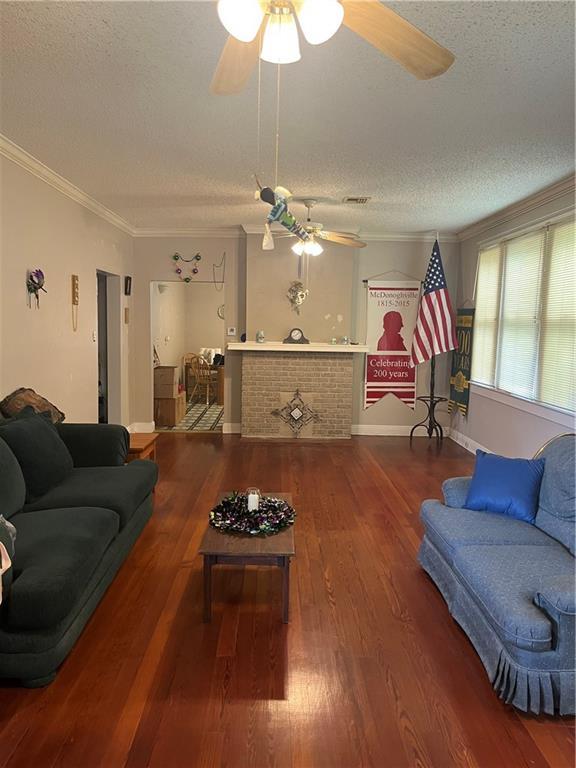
[[35, 283], [297, 295]]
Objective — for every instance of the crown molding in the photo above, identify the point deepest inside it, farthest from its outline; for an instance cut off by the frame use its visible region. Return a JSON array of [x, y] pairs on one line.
[[409, 237], [526, 205], [206, 232], [382, 237], [25, 160]]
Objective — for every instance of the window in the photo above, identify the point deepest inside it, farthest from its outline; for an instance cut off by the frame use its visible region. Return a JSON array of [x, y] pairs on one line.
[[525, 325]]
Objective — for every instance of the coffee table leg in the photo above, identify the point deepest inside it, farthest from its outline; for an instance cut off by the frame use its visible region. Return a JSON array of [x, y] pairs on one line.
[[285, 588], [207, 588]]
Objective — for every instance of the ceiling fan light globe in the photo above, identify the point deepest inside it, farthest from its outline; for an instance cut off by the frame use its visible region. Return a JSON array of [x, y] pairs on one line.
[[312, 248], [319, 19], [298, 248], [241, 18], [280, 44]]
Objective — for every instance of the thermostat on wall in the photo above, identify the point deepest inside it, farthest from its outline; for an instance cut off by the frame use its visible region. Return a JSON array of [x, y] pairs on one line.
[[231, 331]]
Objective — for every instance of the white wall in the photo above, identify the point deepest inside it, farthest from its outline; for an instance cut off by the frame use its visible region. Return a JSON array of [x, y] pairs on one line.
[[506, 424], [169, 318], [40, 227]]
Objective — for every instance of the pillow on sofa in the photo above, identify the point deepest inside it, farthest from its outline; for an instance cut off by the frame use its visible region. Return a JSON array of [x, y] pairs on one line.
[[20, 398], [42, 454], [505, 486]]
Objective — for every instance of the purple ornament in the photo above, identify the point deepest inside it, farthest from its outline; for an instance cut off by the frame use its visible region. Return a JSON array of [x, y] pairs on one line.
[[178, 271]]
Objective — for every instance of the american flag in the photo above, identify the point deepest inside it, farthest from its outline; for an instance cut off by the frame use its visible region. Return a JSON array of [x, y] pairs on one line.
[[435, 327]]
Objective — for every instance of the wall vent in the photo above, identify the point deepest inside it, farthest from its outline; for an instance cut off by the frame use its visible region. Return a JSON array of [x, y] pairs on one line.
[[356, 200]]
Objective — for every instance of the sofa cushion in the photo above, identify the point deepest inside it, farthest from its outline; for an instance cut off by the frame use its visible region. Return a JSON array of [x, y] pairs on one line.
[[40, 451], [557, 505], [504, 581], [122, 489], [450, 528], [58, 550], [12, 487], [505, 486]]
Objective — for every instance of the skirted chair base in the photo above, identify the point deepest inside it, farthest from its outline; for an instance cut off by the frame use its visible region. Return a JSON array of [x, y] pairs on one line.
[[529, 680]]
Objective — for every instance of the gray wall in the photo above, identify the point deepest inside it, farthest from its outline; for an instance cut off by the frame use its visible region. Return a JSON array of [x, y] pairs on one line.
[[327, 312]]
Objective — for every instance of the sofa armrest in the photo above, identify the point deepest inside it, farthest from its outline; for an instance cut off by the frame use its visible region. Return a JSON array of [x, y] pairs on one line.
[[455, 491], [557, 599], [557, 595], [96, 445]]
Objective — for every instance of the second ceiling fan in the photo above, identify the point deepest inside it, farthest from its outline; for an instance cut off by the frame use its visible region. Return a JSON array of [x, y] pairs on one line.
[[267, 29], [317, 232]]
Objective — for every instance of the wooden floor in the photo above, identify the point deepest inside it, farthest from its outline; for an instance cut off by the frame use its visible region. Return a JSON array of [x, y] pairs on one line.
[[371, 671]]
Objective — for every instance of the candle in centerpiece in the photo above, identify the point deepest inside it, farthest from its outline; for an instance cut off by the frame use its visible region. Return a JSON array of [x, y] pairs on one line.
[[253, 496]]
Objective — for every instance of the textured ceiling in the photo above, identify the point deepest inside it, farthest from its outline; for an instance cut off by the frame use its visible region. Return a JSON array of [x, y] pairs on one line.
[[114, 97]]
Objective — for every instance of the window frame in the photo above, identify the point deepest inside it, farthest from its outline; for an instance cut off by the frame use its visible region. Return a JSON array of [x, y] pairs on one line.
[[540, 408]]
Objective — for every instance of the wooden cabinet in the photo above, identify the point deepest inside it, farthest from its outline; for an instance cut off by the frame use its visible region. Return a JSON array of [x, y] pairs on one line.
[[169, 411]]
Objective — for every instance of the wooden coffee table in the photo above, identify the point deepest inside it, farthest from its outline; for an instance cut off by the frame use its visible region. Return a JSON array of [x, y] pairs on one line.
[[226, 549]]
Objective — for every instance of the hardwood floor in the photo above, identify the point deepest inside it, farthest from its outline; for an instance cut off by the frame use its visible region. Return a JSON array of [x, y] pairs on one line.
[[371, 670]]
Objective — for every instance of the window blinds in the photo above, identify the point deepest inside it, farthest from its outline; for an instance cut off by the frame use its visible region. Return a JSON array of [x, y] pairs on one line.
[[520, 307], [557, 355], [486, 316], [524, 330]]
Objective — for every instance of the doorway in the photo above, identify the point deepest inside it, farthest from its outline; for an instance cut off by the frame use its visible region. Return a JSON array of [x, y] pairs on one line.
[[109, 309], [188, 342]]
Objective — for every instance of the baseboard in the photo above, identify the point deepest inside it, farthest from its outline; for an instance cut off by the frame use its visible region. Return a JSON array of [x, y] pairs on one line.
[[231, 429], [391, 430], [466, 442], [141, 426]]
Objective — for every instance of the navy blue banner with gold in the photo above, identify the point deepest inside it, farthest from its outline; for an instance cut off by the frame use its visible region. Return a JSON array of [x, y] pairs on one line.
[[462, 362]]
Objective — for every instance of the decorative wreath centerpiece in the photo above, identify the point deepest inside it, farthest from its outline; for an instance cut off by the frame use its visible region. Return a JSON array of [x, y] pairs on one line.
[[232, 515]]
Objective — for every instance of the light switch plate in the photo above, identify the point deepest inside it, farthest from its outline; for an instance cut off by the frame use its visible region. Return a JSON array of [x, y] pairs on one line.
[[231, 331]]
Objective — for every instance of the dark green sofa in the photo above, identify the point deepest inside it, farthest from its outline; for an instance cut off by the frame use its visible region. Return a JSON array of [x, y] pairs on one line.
[[70, 543]]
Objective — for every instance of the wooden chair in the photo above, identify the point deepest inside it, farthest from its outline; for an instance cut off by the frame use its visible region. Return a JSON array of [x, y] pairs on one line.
[[203, 376], [189, 381]]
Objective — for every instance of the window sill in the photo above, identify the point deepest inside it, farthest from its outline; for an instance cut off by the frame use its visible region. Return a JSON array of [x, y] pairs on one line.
[[548, 412]]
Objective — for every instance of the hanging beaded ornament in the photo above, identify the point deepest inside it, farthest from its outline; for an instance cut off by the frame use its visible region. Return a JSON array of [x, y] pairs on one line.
[[180, 272]]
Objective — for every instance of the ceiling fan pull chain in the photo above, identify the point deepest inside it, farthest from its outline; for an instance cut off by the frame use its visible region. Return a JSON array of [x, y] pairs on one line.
[[259, 108], [277, 126]]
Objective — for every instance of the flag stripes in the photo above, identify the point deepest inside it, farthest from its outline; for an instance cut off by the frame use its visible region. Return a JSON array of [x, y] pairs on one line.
[[435, 330]]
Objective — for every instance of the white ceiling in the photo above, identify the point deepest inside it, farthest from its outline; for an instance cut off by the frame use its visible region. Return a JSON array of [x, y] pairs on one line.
[[114, 97]]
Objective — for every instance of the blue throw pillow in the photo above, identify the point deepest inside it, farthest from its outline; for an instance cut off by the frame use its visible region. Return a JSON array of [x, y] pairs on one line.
[[505, 486]]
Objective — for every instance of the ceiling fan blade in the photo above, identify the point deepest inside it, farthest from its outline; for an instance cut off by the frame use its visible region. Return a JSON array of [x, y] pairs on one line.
[[397, 38], [340, 239], [235, 66]]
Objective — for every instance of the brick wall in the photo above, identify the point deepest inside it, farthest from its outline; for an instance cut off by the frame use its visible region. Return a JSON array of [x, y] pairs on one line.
[[269, 380]]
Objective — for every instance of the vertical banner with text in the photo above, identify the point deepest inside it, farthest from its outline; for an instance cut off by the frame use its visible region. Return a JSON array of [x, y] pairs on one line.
[[392, 307], [462, 363]]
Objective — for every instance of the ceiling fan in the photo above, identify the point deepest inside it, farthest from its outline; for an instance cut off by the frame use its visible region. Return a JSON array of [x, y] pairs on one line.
[[312, 247], [267, 29]]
